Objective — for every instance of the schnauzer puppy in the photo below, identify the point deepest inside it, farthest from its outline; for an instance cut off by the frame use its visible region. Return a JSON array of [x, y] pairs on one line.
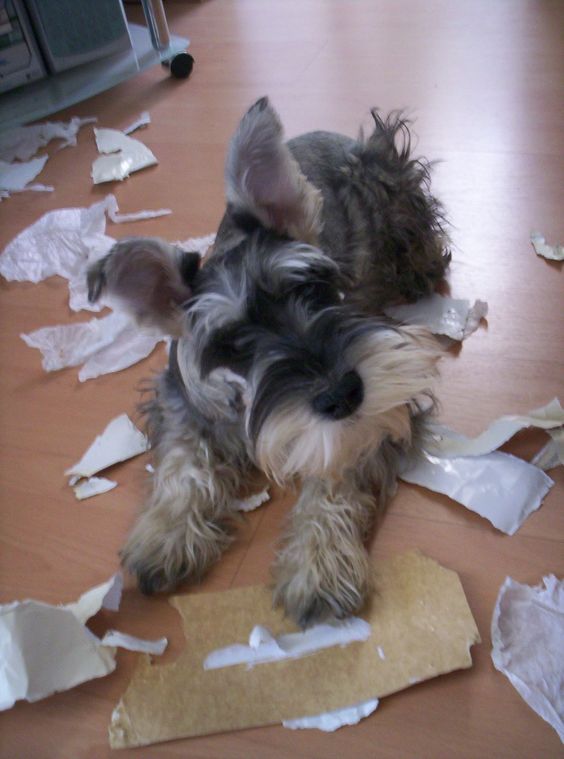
[[282, 358]]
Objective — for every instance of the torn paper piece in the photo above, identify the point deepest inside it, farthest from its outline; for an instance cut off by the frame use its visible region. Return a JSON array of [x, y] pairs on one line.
[[121, 440], [263, 647], [527, 645], [201, 245], [552, 454], [552, 252], [143, 120], [419, 615], [499, 487], [45, 649], [130, 643], [23, 142], [252, 502], [331, 721], [441, 315], [124, 155], [446, 442], [93, 486], [14, 177]]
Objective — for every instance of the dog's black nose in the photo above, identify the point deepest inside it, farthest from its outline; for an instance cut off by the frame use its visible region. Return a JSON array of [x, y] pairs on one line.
[[342, 400]]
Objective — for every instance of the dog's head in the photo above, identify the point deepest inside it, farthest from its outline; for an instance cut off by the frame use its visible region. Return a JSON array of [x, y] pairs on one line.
[[323, 384]]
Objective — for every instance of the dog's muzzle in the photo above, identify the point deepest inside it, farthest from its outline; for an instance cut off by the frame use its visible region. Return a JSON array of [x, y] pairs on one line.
[[341, 400]]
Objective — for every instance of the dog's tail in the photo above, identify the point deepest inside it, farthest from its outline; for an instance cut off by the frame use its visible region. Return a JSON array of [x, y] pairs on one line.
[[407, 235], [149, 277]]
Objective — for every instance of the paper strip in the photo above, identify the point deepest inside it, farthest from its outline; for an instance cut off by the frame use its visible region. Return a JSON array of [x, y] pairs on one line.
[[552, 252], [265, 648], [131, 643], [124, 155], [499, 487], [252, 502], [442, 315], [23, 142], [143, 120], [93, 486], [328, 722], [527, 645], [121, 440]]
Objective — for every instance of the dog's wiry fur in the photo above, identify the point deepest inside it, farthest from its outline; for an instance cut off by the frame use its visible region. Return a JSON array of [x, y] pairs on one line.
[[283, 360]]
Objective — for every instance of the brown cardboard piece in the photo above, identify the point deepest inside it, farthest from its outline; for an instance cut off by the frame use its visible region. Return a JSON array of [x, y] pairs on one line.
[[420, 620]]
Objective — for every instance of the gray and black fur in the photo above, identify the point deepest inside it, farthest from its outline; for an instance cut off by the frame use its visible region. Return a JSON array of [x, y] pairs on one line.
[[283, 360]]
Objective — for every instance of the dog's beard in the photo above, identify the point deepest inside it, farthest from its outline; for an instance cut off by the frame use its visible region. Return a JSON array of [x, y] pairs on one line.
[[396, 367]]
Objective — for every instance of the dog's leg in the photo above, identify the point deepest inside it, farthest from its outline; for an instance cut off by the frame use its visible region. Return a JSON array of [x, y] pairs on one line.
[[323, 568], [186, 523]]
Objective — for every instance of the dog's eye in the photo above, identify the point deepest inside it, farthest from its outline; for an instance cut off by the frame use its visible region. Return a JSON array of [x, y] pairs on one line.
[[229, 348]]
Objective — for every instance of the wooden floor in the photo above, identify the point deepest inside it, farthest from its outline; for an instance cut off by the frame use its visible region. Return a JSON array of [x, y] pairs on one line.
[[484, 79]]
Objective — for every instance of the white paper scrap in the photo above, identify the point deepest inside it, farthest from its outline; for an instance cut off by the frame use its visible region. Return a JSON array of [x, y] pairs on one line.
[[552, 252], [23, 142], [45, 649], [199, 245], [15, 176], [501, 488], [130, 643], [144, 119], [252, 502], [552, 454], [264, 647], [122, 156], [93, 486], [441, 315], [121, 440], [528, 645], [448, 443], [328, 722]]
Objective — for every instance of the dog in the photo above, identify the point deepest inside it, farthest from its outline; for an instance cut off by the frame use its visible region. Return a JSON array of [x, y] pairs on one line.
[[282, 359]]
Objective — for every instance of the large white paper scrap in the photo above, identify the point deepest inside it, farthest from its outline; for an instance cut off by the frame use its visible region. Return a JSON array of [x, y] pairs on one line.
[[121, 440], [252, 502], [15, 176], [328, 722], [528, 644], [45, 649], [552, 454], [93, 486], [23, 142], [263, 647], [122, 156], [143, 120], [445, 442], [501, 488], [542, 248], [442, 315]]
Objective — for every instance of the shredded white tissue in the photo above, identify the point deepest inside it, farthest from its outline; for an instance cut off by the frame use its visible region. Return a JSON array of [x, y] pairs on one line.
[[501, 488], [15, 177], [199, 245], [130, 643], [441, 315], [552, 454], [252, 502], [328, 722], [121, 440], [528, 644], [448, 443], [93, 486], [144, 119], [552, 252], [23, 142], [264, 647], [45, 649], [122, 156]]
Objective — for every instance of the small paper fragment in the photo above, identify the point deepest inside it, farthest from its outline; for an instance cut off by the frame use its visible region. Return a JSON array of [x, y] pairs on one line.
[[328, 722], [121, 440], [23, 142], [542, 248], [93, 486], [252, 502], [15, 176], [552, 454], [143, 120], [527, 645], [122, 156], [455, 318], [131, 643]]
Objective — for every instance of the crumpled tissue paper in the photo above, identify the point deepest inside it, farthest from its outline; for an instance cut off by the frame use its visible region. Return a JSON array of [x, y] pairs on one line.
[[452, 317], [45, 649], [528, 645]]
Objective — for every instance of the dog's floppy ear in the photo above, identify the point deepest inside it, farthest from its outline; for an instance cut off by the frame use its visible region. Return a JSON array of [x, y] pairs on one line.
[[264, 180], [150, 277]]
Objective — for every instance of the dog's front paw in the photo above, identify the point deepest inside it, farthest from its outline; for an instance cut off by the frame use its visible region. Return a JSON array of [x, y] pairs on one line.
[[157, 560], [311, 592]]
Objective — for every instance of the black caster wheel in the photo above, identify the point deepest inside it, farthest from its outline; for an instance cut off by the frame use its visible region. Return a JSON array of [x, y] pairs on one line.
[[180, 65]]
